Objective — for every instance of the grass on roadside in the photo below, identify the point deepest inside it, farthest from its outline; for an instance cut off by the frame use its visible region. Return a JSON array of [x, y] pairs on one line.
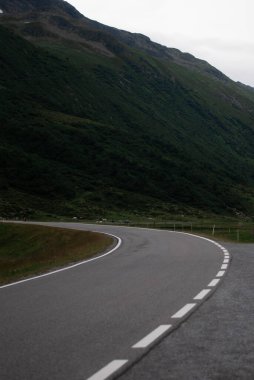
[[224, 232], [229, 230], [26, 250], [234, 235]]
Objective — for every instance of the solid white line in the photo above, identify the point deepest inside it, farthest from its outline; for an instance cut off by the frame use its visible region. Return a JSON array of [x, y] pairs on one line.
[[152, 336], [214, 282], [69, 267], [224, 266], [184, 310], [108, 370], [220, 273], [226, 261], [202, 294]]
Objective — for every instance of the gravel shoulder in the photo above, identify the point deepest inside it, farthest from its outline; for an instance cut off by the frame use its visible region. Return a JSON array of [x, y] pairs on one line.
[[217, 341]]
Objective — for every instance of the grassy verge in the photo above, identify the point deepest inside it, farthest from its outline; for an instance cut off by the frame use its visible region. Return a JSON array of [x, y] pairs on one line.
[[230, 234], [228, 230], [26, 250]]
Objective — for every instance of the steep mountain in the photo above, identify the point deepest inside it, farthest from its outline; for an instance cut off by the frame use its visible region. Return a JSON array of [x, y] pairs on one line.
[[95, 119], [18, 7], [57, 19]]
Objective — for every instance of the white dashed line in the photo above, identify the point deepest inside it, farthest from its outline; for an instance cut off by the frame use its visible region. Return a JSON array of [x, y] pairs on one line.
[[115, 365], [105, 372], [184, 310], [112, 367], [202, 294], [150, 338], [214, 282]]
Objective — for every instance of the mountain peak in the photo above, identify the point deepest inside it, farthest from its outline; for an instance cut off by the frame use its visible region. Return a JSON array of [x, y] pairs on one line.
[[59, 19]]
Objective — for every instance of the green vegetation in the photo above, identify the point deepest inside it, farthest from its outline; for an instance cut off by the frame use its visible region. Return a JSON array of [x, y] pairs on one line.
[[220, 228], [103, 127], [234, 232], [27, 250]]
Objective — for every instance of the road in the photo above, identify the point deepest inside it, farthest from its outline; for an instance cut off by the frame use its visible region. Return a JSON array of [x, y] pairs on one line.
[[88, 321], [217, 343]]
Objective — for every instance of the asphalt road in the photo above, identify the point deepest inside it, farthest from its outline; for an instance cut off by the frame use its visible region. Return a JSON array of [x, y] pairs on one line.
[[72, 324], [217, 342]]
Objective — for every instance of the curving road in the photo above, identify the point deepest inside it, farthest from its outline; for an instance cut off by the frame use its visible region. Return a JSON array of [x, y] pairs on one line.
[[91, 320]]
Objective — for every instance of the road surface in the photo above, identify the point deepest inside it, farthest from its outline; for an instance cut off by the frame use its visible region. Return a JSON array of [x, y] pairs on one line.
[[217, 342], [97, 319]]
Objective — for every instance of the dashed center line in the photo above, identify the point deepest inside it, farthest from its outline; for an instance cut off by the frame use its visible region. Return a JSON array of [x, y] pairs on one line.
[[108, 370], [152, 336], [184, 310], [115, 365], [202, 294], [214, 282]]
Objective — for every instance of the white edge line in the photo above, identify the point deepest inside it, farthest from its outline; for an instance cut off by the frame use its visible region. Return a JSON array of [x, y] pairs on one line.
[[184, 310], [202, 294], [170, 231], [108, 370], [140, 228], [214, 282], [70, 266], [150, 338]]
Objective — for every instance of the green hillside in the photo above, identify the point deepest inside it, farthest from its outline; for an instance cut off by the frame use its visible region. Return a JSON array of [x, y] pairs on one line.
[[103, 123]]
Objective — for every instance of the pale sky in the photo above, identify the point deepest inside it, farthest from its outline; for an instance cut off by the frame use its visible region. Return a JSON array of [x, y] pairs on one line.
[[218, 31]]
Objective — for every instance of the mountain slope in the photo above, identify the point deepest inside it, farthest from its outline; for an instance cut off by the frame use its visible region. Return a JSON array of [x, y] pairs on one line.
[[48, 18], [17, 7], [94, 118]]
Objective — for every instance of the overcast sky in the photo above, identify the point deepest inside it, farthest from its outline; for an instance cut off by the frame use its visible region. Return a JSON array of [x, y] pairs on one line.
[[219, 31]]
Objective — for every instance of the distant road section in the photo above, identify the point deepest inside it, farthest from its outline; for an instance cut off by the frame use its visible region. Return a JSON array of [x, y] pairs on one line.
[[94, 320]]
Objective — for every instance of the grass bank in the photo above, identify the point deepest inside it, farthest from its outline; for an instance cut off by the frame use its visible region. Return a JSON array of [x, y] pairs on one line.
[[230, 230], [27, 250]]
